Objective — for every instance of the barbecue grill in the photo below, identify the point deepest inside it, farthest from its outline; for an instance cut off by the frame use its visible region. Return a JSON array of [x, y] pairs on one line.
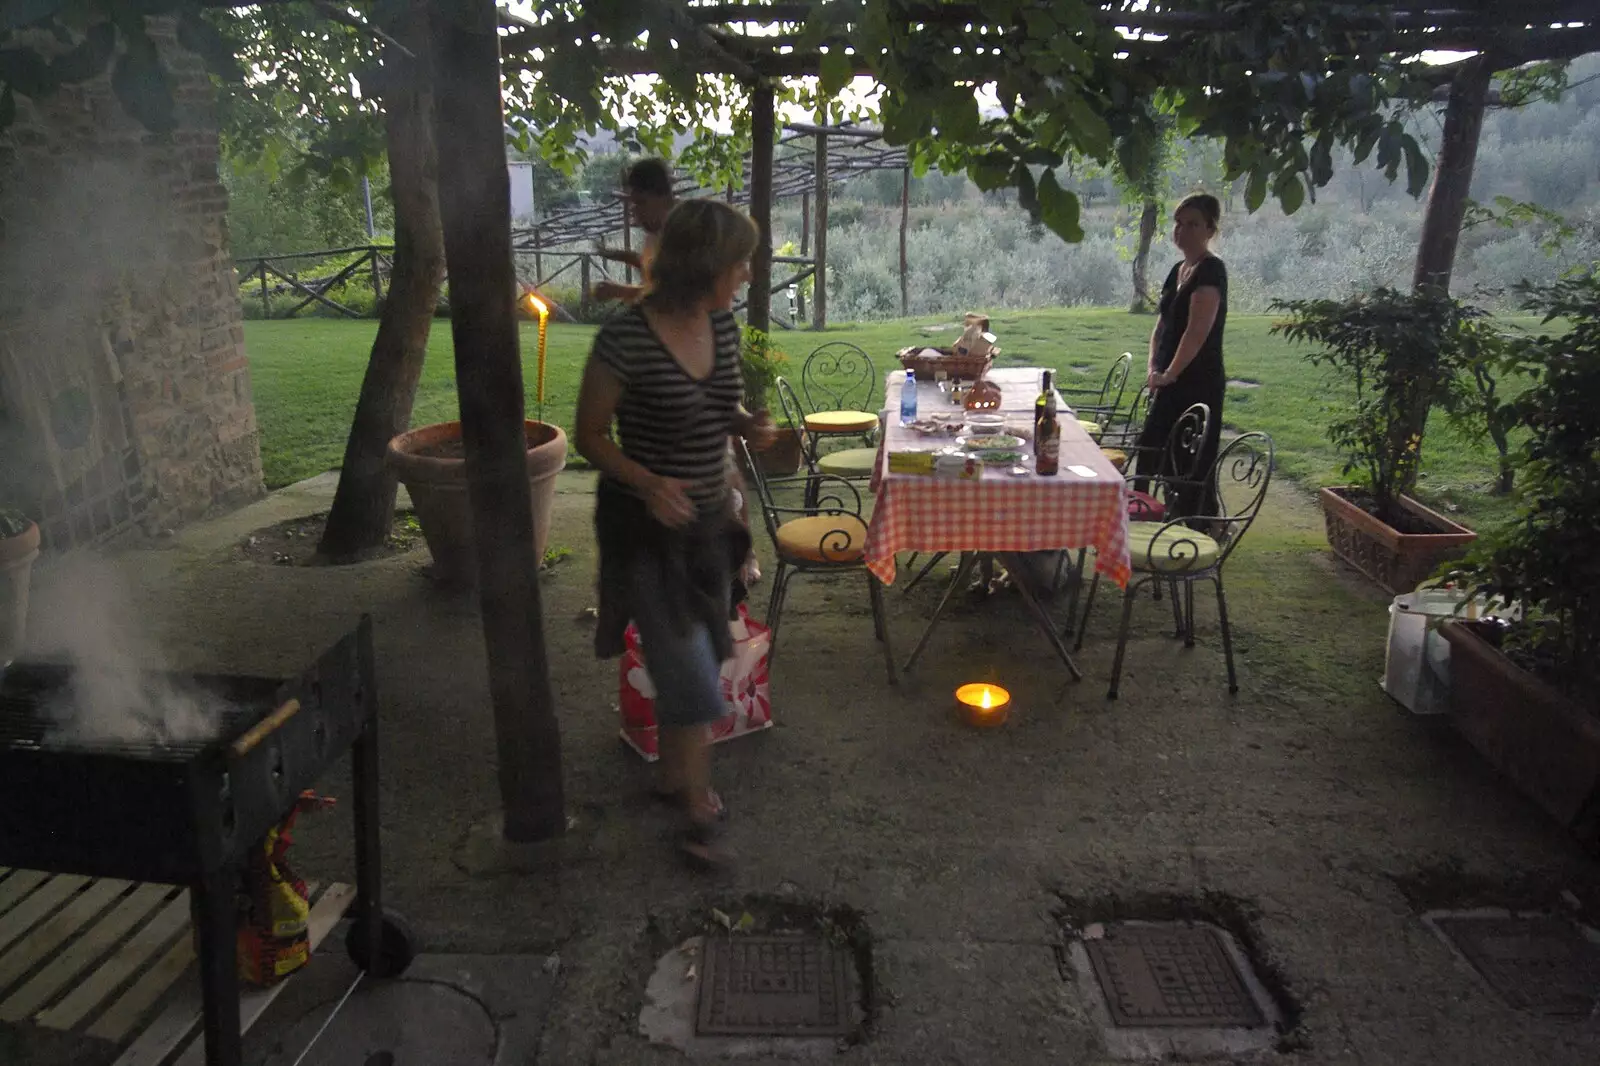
[[188, 812]]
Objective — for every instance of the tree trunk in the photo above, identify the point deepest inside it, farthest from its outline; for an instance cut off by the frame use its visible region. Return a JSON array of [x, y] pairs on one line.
[[1452, 175], [475, 201], [1148, 217], [363, 506]]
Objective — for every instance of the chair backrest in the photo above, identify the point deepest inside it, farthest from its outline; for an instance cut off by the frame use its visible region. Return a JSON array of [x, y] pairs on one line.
[[793, 413], [1240, 477], [839, 376], [1185, 444], [1115, 384], [758, 478], [1124, 432], [835, 545]]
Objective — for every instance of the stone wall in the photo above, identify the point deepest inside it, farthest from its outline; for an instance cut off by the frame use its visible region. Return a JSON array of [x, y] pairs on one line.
[[124, 387]]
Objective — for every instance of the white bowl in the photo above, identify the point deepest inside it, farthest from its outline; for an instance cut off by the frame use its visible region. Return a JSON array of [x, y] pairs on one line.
[[980, 424]]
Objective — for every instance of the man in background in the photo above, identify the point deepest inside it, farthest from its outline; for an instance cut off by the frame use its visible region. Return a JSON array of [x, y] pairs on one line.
[[648, 189]]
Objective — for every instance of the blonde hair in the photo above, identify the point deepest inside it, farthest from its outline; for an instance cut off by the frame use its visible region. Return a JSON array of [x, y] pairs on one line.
[[700, 241]]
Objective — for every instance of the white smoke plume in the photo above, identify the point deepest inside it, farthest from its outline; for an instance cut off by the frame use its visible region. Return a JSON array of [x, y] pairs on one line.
[[118, 691]]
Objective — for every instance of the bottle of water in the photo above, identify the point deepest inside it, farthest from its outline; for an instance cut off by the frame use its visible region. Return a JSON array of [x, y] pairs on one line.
[[908, 398]]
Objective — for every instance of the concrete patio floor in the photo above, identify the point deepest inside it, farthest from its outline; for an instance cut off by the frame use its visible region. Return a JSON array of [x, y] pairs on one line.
[[1309, 808]]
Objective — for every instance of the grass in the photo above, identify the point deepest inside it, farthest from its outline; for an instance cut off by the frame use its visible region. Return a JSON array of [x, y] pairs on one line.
[[306, 375]]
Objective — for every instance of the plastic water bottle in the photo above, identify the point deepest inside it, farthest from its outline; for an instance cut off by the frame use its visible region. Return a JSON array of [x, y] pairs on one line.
[[908, 398]]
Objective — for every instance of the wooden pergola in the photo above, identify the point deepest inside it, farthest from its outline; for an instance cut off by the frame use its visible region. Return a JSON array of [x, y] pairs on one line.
[[835, 154], [472, 37]]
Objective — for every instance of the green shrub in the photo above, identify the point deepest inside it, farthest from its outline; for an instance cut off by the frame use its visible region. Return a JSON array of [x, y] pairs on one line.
[[1396, 354], [1545, 560]]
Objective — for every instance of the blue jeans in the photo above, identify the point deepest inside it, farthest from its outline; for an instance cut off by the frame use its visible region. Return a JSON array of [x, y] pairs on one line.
[[683, 665]]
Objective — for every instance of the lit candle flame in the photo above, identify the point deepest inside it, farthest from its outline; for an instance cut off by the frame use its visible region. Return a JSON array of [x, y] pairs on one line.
[[537, 305], [987, 701]]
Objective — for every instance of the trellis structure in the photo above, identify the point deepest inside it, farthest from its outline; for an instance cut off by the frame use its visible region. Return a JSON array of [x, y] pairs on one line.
[[967, 44], [834, 155]]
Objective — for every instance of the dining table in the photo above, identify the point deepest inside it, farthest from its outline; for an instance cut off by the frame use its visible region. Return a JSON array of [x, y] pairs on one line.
[[1009, 509]]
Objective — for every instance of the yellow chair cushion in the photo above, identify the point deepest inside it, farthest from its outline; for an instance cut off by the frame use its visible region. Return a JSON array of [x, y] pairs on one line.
[[1176, 550], [1094, 429], [1118, 457], [851, 462], [828, 538], [841, 421]]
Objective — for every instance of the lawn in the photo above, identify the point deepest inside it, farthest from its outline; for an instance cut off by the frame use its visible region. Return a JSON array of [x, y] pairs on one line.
[[306, 375]]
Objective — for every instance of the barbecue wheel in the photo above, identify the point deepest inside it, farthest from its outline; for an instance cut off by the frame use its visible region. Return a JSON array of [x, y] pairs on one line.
[[395, 946]]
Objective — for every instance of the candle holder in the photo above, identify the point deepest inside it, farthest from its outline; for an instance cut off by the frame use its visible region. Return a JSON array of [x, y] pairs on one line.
[[542, 309], [983, 705]]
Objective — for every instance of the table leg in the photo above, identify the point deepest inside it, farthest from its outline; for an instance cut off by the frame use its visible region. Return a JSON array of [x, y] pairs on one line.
[[1019, 574], [963, 572]]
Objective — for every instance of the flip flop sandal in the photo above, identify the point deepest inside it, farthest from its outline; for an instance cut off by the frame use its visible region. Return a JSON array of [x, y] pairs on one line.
[[703, 835], [680, 800]]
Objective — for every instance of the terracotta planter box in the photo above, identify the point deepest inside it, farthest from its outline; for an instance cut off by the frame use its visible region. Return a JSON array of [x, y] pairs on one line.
[[1397, 561], [428, 463], [16, 570], [783, 458], [1542, 740]]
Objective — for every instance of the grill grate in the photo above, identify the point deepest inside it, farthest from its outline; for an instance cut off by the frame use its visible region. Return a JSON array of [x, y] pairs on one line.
[[26, 725]]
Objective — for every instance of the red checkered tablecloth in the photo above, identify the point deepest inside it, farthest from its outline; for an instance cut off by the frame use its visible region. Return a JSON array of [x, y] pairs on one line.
[[999, 513]]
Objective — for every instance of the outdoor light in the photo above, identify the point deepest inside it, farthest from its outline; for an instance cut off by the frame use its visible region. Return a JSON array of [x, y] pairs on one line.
[[542, 309], [983, 704]]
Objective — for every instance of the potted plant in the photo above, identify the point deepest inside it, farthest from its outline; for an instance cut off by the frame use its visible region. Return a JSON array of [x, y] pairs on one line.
[[761, 365], [1396, 353], [19, 547], [431, 463], [1523, 693]]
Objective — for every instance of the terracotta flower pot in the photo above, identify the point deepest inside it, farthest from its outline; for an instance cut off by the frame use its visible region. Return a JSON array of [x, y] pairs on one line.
[[1540, 738], [1397, 561], [16, 569], [430, 463]]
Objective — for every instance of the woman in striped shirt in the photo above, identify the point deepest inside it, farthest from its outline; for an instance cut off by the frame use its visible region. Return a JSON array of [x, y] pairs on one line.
[[666, 372]]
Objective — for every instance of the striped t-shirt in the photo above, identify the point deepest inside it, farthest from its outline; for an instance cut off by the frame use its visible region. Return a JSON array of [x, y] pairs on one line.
[[668, 422]]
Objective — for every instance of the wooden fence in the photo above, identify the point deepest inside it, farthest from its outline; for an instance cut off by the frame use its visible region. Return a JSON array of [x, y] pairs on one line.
[[282, 276]]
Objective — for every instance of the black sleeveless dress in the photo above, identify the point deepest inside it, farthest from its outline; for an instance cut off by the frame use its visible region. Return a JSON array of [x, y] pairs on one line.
[[1203, 381]]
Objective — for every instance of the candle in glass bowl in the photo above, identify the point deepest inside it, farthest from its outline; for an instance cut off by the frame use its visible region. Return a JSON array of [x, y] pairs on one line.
[[983, 704]]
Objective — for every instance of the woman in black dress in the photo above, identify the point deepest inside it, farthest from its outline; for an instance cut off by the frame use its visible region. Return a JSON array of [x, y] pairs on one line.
[[1186, 350]]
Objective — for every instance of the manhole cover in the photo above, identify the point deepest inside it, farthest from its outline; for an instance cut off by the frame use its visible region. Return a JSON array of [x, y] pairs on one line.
[[1538, 964], [773, 986], [1171, 975]]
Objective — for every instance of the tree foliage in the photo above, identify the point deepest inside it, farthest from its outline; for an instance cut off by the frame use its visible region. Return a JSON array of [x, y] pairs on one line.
[[1280, 82]]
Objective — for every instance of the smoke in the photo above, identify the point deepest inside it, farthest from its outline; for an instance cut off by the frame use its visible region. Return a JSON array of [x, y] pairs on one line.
[[117, 692]]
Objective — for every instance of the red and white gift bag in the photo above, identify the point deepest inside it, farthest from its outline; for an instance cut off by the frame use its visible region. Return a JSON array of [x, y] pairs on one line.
[[745, 688]]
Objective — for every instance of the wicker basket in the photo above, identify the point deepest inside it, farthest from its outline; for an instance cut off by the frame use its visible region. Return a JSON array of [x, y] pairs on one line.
[[947, 362]]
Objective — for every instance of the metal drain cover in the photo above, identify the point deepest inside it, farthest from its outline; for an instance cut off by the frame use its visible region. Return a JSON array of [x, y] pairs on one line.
[[773, 986], [1171, 975], [1537, 963]]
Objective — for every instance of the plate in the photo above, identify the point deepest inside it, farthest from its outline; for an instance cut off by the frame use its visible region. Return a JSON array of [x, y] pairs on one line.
[[996, 442]]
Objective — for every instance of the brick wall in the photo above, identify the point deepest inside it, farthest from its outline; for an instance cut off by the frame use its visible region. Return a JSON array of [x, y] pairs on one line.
[[124, 385]]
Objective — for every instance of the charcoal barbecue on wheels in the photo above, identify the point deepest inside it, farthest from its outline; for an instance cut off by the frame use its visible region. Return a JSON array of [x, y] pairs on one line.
[[187, 813]]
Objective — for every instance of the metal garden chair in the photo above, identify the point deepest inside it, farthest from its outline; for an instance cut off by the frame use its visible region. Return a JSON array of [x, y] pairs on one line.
[[1095, 409], [1186, 551], [849, 463], [1179, 471], [828, 536], [1121, 433], [839, 382]]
